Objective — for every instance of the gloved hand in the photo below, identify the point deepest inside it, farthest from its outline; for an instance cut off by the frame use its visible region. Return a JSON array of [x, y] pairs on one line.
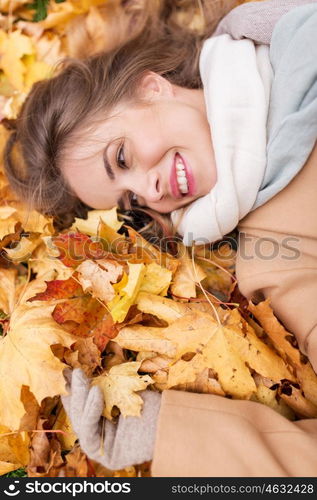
[[129, 442]]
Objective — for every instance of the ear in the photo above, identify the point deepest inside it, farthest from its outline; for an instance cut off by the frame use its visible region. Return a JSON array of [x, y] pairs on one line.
[[154, 85]]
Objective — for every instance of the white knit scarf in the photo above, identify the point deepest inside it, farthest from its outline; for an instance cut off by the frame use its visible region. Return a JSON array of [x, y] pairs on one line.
[[236, 76]]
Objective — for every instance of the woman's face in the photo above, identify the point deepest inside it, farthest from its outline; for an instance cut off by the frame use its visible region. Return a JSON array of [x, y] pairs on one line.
[[160, 155]]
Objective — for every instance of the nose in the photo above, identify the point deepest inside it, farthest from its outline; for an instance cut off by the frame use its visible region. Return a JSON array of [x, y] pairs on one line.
[[148, 185]]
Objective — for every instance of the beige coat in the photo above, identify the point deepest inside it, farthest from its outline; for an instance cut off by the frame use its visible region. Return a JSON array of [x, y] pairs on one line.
[[207, 435]]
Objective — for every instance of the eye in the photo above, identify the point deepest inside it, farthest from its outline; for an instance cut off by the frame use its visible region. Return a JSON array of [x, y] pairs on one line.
[[120, 157]]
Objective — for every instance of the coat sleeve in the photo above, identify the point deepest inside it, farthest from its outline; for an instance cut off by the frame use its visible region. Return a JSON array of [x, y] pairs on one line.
[[208, 435], [211, 436]]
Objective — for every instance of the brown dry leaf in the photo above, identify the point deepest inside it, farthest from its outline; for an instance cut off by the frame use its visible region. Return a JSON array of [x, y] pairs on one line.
[[303, 407], [85, 355], [267, 396], [282, 341], [45, 455], [188, 274], [77, 464], [253, 350], [27, 346], [119, 387], [205, 383], [97, 277], [14, 450], [32, 410], [62, 423]]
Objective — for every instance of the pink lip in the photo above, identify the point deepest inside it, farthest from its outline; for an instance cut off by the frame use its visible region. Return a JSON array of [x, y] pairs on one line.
[[173, 179]]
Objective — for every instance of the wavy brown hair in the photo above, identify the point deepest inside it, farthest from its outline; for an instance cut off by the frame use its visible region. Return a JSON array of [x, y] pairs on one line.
[[156, 37]]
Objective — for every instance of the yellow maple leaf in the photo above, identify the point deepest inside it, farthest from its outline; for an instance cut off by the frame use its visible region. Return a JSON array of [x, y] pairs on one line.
[[90, 225], [8, 220], [35, 70], [13, 46], [24, 248], [119, 388], [60, 14], [167, 309], [62, 423], [26, 357], [259, 356], [45, 262], [156, 279], [232, 373], [14, 450], [126, 296], [7, 289]]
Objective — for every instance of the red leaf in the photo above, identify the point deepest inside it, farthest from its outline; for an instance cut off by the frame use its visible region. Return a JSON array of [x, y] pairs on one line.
[[59, 289], [74, 248], [86, 317]]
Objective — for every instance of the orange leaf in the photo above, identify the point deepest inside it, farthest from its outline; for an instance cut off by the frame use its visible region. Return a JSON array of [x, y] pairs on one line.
[[59, 289], [76, 247]]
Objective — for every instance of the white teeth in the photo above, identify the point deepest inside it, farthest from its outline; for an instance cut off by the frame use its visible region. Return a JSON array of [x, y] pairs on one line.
[[181, 177], [182, 182]]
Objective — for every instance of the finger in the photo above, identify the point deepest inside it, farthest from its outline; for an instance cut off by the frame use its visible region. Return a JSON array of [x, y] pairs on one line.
[[66, 397], [89, 434], [68, 377], [79, 394]]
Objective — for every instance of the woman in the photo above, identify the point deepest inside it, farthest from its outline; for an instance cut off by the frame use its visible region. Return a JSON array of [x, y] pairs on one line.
[[140, 120]]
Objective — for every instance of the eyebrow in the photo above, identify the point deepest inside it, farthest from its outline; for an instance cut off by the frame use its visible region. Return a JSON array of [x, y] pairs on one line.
[[107, 164]]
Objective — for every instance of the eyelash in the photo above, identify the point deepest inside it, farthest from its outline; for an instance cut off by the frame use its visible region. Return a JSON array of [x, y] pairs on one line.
[[121, 149], [131, 196]]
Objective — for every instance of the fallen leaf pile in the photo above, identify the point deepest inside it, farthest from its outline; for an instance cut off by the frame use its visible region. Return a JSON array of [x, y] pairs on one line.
[[100, 297]]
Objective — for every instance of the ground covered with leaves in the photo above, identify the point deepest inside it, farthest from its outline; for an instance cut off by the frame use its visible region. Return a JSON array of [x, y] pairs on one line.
[[100, 297]]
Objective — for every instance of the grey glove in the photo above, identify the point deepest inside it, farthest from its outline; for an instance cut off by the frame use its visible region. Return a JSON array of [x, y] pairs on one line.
[[129, 442]]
